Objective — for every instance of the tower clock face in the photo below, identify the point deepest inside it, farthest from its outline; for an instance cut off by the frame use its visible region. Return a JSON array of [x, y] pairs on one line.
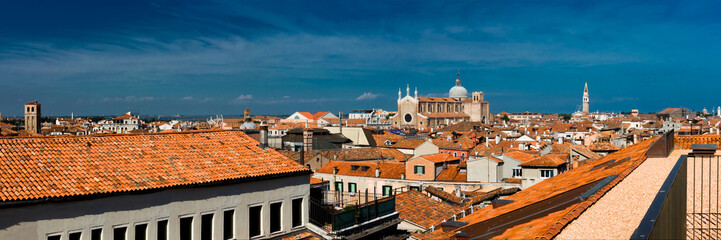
[[408, 118]]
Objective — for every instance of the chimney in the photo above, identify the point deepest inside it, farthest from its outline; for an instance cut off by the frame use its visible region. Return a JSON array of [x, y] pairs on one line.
[[487, 141], [340, 123], [378, 172], [560, 140], [498, 139], [308, 139], [263, 137], [403, 176]]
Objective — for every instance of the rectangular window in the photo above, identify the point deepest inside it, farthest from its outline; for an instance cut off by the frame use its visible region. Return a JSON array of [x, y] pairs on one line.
[[546, 173], [228, 223], [163, 229], [387, 190], [186, 228], [339, 186], [254, 221], [74, 236], [275, 216], [517, 172], [420, 169], [297, 212], [206, 227], [141, 231], [351, 187], [119, 233], [96, 234], [54, 237]]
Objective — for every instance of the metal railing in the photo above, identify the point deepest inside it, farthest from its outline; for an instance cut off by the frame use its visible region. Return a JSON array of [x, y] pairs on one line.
[[703, 198], [331, 217], [665, 218]]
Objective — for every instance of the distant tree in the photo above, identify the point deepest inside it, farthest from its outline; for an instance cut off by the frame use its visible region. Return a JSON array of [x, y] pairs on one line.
[[566, 116], [97, 118], [390, 115], [505, 118], [15, 121]]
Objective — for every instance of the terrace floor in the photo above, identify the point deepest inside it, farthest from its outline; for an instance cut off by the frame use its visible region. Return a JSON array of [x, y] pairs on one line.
[[618, 213]]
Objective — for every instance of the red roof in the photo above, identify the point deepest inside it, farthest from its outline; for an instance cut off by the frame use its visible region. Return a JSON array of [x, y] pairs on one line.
[[51, 167], [548, 160], [127, 115], [388, 169], [318, 115], [439, 157], [520, 156]]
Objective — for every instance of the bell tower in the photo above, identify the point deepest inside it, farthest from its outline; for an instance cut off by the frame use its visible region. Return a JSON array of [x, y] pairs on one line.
[[585, 99], [32, 117]]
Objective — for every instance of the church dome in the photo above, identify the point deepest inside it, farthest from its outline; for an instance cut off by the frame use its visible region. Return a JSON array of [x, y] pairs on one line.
[[458, 91], [248, 125]]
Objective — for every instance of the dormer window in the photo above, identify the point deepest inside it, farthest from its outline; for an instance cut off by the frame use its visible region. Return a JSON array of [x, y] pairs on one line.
[[388, 142]]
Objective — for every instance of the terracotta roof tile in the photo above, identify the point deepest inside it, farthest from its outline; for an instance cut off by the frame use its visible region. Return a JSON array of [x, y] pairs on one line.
[[43, 167], [418, 208], [439, 157], [548, 160], [548, 225], [520, 156], [452, 173], [444, 195], [388, 169]]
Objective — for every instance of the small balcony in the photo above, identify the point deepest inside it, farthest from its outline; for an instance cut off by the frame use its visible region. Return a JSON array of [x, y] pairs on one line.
[[341, 215]]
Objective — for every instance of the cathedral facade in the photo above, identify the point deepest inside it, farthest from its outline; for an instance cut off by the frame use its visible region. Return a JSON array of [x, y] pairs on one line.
[[426, 112]]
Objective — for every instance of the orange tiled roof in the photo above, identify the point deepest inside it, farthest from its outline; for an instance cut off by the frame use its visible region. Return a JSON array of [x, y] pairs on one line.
[[548, 160], [439, 157], [125, 116], [452, 173], [388, 169], [52, 167], [307, 115], [520, 156], [406, 143], [548, 225], [444, 195], [418, 208], [318, 115]]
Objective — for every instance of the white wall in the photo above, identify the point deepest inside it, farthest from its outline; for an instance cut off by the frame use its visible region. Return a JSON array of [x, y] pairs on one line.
[[36, 221]]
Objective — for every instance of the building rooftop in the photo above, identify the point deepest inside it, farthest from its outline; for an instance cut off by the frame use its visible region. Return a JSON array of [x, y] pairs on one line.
[[57, 167], [421, 210], [544, 209]]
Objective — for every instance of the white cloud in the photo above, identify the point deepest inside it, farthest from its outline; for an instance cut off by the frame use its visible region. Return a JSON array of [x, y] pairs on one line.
[[207, 99], [187, 98], [243, 98], [368, 96]]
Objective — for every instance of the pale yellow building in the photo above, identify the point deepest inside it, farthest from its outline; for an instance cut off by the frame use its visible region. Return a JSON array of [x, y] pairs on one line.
[[424, 112]]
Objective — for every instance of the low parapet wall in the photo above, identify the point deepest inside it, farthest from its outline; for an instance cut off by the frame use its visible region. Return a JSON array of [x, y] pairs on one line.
[[685, 141]]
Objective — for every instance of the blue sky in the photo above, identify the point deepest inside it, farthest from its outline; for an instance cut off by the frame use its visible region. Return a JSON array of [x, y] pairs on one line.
[[277, 57]]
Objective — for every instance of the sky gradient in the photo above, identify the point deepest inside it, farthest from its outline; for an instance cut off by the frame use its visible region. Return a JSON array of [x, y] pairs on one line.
[[278, 57]]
